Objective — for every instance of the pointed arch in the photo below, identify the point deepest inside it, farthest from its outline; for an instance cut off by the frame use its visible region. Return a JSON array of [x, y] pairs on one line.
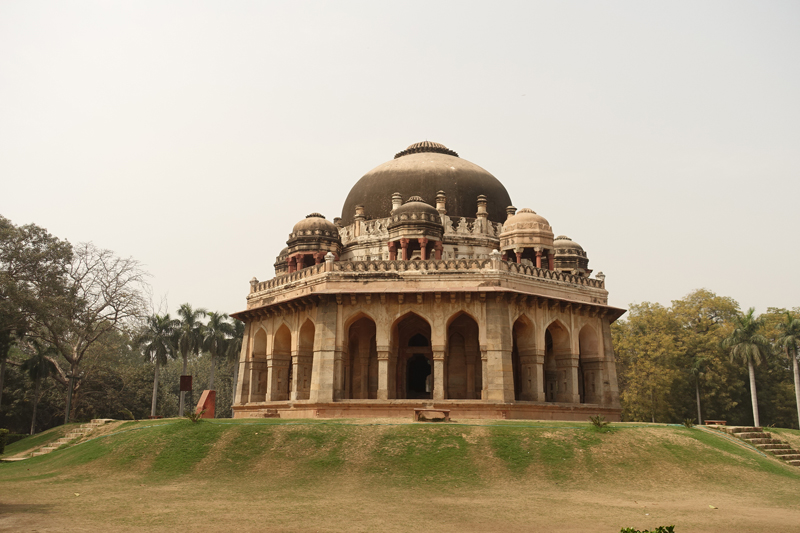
[[302, 364], [361, 359], [281, 363], [413, 363], [463, 376], [527, 378], [560, 373]]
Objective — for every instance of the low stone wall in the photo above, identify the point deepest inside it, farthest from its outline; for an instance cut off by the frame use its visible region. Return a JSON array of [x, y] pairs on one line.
[[459, 409]]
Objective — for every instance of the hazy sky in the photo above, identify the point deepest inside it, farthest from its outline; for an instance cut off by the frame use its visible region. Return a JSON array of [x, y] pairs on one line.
[[663, 137]]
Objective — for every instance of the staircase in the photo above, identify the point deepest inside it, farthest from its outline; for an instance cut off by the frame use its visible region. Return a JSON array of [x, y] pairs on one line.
[[764, 441], [76, 433]]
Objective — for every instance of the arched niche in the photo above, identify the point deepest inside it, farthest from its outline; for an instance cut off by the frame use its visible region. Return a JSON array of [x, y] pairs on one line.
[[281, 363], [301, 369], [361, 360], [559, 376], [254, 383], [463, 359], [527, 381]]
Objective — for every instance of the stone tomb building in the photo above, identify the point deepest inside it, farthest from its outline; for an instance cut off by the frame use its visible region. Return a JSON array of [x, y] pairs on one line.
[[431, 290]]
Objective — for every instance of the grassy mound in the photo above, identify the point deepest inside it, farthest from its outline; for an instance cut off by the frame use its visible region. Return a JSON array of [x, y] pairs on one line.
[[360, 476]]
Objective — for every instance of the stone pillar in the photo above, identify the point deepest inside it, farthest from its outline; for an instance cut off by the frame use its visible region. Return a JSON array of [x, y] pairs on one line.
[[609, 378], [567, 366], [358, 219], [397, 200], [257, 391], [482, 215], [471, 377], [498, 342], [278, 373], [318, 257], [384, 380], [296, 384], [437, 250], [338, 375], [484, 374], [518, 253], [392, 251], [292, 264], [538, 258], [551, 260], [510, 211], [404, 246], [532, 378], [242, 376], [325, 336], [329, 258], [423, 250], [438, 373], [592, 380]]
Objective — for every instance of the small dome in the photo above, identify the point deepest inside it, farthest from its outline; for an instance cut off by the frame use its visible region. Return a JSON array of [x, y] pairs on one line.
[[417, 205], [564, 243], [314, 223], [526, 219]]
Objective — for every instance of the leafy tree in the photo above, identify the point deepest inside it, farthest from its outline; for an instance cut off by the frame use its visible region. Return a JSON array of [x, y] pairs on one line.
[[39, 367], [646, 356], [157, 342], [216, 335], [702, 317], [748, 345], [789, 340], [33, 267], [105, 295], [189, 338]]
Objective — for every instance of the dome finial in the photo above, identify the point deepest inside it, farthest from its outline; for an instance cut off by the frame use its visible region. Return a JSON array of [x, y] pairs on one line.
[[426, 146]]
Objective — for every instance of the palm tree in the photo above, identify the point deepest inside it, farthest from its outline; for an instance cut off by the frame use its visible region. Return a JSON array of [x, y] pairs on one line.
[[39, 367], [232, 351], [157, 342], [789, 339], [216, 334], [698, 369], [747, 344], [189, 338]]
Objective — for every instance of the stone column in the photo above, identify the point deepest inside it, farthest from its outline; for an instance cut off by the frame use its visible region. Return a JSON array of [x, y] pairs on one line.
[[325, 336], [551, 260], [296, 385], [258, 392], [318, 257], [292, 264], [498, 342], [383, 373], [518, 253], [610, 390], [470, 377], [423, 250], [404, 246], [438, 373], [392, 251], [592, 380], [538, 257], [567, 366], [484, 374], [437, 247], [532, 379], [338, 375]]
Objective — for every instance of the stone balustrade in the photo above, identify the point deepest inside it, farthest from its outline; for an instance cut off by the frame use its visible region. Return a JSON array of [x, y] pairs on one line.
[[431, 265]]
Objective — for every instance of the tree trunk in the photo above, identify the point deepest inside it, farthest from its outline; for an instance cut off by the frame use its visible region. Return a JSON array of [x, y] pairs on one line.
[[753, 397], [2, 376], [183, 393], [796, 385], [697, 393], [211, 374], [155, 392], [36, 391], [70, 387]]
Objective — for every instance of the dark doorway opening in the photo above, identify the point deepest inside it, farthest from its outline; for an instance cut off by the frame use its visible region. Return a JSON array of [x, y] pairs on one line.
[[418, 370]]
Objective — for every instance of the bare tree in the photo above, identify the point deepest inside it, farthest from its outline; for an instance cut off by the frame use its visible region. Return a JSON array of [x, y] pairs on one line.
[[105, 293]]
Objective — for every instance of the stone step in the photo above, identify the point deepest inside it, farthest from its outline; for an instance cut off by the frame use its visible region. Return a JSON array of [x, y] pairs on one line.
[[741, 429], [763, 441], [785, 453], [101, 421], [754, 435], [770, 447], [38, 453], [794, 462], [48, 449]]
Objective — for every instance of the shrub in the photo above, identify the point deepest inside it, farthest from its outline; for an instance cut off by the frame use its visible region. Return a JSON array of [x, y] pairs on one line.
[[599, 421], [659, 529], [195, 417], [688, 422], [3, 434]]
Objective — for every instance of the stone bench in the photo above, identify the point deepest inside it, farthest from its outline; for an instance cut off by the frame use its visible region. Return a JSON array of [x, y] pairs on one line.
[[419, 411], [715, 422]]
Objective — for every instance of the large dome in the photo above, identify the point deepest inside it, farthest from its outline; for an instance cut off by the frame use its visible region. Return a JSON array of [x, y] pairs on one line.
[[423, 169]]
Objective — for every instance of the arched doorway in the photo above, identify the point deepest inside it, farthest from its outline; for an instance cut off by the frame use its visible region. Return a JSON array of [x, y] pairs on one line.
[[560, 384], [281, 371], [463, 360], [301, 368], [411, 345], [527, 379], [255, 385], [361, 362]]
